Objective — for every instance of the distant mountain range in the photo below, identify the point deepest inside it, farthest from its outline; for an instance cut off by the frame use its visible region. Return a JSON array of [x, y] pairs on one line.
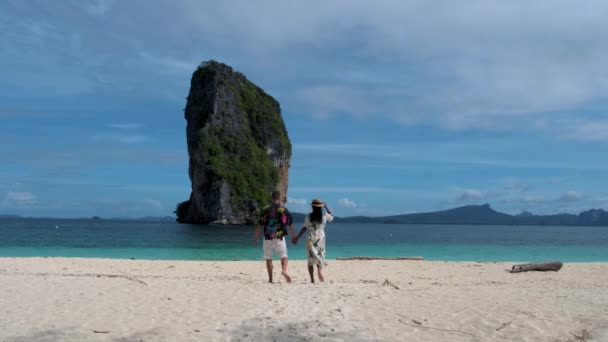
[[145, 218], [10, 216], [482, 215], [470, 214]]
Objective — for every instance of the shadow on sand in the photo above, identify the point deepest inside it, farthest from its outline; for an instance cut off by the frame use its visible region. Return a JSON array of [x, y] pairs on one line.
[[50, 335], [70, 334], [267, 329]]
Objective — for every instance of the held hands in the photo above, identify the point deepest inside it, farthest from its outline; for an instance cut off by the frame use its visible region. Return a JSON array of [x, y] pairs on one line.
[[294, 240]]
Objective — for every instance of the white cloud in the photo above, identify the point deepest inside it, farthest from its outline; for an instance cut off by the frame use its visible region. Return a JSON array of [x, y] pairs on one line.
[[125, 126], [155, 204], [531, 200], [168, 63], [603, 203], [123, 133], [296, 201], [571, 196], [347, 203], [470, 196], [454, 65], [19, 199], [465, 153], [516, 185], [121, 138], [297, 204], [458, 66], [97, 8], [589, 130], [327, 100], [353, 189]]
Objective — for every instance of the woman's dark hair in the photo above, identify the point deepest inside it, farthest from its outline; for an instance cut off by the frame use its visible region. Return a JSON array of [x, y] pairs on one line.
[[317, 215]]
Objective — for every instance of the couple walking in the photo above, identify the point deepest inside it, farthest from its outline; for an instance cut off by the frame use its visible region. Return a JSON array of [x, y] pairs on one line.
[[276, 220]]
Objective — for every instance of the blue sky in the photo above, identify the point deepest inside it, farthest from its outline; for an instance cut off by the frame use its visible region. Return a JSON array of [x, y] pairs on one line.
[[392, 106]]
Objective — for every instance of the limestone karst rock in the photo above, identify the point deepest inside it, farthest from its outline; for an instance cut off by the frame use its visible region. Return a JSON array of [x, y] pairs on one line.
[[238, 147]]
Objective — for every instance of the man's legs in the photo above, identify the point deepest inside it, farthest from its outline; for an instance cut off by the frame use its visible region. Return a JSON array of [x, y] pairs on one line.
[[268, 248], [281, 250], [269, 268], [284, 269]]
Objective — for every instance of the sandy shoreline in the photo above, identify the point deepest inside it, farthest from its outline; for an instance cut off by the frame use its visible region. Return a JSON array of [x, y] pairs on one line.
[[56, 299]]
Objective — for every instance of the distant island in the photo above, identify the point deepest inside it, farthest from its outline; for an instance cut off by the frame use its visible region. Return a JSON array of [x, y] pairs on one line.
[[482, 215], [465, 215]]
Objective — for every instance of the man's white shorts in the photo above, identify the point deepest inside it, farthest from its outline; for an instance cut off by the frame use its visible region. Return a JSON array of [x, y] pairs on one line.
[[277, 246]]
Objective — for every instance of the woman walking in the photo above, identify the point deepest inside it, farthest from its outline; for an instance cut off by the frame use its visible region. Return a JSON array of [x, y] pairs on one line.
[[314, 227]]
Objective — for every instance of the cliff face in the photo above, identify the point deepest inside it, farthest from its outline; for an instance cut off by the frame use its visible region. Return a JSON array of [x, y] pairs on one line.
[[238, 146]]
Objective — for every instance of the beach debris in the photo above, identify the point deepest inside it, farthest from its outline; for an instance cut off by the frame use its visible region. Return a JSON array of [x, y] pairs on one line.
[[411, 319], [100, 331], [97, 275], [388, 283], [122, 276], [542, 266], [502, 326], [438, 329], [583, 337], [379, 258]]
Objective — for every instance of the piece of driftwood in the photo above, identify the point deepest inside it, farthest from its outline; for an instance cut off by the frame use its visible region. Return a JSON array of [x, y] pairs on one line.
[[502, 326], [88, 275], [122, 276], [438, 329], [582, 338], [411, 319], [388, 283], [378, 258], [542, 266]]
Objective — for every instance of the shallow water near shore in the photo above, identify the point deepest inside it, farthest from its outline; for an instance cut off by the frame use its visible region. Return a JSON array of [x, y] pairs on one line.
[[171, 241]]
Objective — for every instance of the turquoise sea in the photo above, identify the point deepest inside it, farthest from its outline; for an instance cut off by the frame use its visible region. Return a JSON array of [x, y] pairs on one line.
[[168, 240]]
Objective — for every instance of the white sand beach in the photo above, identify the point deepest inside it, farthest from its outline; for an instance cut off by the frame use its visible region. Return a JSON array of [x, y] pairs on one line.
[[58, 299]]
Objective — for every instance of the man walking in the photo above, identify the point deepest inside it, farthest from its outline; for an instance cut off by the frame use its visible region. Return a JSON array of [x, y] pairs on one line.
[[275, 220]]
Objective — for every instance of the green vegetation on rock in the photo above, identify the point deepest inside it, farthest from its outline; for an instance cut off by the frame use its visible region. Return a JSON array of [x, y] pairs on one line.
[[262, 112], [241, 162]]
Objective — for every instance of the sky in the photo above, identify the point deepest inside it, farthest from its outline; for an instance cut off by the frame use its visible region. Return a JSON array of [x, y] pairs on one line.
[[392, 106]]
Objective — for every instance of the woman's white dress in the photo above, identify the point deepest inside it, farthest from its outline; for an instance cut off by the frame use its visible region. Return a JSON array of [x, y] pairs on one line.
[[315, 240]]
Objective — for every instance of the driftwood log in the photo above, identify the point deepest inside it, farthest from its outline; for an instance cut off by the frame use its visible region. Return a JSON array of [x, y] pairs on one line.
[[375, 258], [542, 266]]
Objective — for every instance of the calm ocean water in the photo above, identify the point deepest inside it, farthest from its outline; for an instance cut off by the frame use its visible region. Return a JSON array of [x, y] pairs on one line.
[[167, 240]]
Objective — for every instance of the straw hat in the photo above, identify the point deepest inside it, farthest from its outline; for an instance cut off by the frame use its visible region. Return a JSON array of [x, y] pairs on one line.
[[318, 203]]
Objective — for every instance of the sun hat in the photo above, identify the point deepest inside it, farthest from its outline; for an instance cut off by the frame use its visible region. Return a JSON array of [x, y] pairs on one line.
[[318, 203]]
